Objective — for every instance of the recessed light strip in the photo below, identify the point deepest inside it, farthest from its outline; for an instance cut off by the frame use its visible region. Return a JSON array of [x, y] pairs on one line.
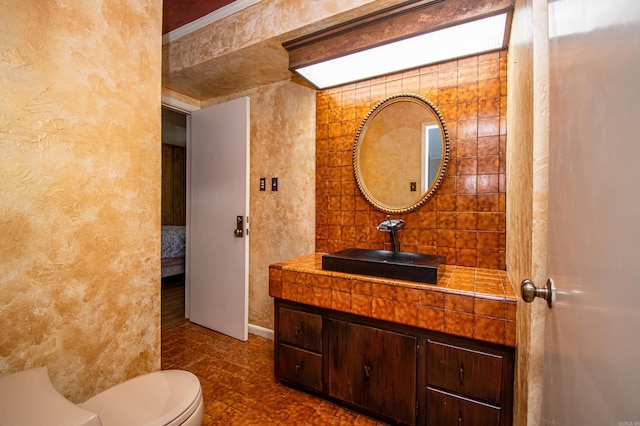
[[458, 41]]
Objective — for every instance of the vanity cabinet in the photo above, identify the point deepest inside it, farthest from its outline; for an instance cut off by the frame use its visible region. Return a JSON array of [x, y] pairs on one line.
[[399, 374]]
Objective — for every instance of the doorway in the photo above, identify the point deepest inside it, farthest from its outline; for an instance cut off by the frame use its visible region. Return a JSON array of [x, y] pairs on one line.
[[173, 217], [213, 204]]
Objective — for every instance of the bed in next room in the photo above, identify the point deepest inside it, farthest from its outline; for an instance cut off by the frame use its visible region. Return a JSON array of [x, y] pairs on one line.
[[173, 250]]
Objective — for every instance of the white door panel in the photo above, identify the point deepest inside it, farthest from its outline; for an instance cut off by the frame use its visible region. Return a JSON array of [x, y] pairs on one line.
[[591, 374], [217, 260]]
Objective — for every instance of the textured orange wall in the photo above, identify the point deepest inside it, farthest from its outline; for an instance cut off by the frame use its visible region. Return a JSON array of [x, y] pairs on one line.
[[466, 219], [80, 190]]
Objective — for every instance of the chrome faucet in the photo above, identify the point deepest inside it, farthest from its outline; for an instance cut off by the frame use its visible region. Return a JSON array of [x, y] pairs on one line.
[[392, 226]]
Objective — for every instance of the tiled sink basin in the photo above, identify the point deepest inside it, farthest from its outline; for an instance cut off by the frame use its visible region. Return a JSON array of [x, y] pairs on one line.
[[425, 268]]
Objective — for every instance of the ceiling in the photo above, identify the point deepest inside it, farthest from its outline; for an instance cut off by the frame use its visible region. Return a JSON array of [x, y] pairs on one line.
[[214, 74], [262, 63], [176, 13]]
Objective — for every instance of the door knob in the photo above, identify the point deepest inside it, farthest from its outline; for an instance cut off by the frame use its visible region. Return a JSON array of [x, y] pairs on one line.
[[239, 231], [530, 291]]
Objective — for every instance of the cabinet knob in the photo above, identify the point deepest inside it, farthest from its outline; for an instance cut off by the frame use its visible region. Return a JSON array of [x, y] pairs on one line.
[[298, 368], [461, 373], [297, 329], [367, 371]]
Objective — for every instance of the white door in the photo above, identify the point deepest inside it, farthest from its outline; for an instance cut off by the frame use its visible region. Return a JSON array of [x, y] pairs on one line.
[[592, 335], [217, 258]]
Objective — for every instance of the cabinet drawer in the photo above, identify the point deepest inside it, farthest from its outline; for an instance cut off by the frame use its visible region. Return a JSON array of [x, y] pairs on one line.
[[447, 409], [465, 371], [300, 329], [300, 366]]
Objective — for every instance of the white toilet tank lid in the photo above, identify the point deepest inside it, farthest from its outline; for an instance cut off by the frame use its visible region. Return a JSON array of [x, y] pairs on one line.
[[154, 399], [28, 398]]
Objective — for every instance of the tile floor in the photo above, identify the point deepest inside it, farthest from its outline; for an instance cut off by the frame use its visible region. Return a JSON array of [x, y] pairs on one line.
[[238, 383]]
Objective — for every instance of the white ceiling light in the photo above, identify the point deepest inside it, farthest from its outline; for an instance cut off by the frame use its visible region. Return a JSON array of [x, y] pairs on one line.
[[469, 38]]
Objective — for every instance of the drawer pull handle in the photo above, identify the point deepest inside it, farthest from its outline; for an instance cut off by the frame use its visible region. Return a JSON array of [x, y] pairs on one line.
[[297, 329], [367, 371], [461, 373], [298, 368]]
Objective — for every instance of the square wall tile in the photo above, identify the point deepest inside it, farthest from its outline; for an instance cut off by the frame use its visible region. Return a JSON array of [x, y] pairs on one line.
[[466, 219]]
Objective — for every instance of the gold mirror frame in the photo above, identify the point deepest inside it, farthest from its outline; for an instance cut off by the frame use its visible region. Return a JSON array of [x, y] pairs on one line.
[[360, 138]]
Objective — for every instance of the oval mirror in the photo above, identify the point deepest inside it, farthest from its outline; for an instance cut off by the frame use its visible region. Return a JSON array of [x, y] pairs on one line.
[[401, 153]]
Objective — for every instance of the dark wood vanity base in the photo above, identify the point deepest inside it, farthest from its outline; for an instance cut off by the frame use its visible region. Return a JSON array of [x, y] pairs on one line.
[[393, 372]]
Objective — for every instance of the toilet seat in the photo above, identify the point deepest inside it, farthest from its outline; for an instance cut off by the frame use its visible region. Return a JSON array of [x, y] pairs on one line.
[[161, 398]]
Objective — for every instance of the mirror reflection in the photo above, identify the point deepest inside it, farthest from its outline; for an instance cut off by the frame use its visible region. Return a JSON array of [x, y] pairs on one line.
[[400, 153]]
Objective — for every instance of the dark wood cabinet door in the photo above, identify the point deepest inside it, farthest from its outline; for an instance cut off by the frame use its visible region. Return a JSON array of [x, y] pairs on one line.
[[373, 369], [444, 409]]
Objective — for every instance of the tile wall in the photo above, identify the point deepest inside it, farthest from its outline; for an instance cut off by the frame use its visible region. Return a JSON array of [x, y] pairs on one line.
[[465, 221]]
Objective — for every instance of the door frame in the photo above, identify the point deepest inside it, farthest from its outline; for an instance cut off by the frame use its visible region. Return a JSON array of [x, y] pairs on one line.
[[527, 176]]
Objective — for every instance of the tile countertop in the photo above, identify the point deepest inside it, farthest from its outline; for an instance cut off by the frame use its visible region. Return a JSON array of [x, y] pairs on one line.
[[468, 302]]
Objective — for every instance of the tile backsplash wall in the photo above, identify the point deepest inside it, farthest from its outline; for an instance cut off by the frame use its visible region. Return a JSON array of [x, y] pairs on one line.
[[465, 220]]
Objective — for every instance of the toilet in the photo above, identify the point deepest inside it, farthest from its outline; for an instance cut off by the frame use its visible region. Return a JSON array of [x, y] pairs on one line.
[[161, 398]]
